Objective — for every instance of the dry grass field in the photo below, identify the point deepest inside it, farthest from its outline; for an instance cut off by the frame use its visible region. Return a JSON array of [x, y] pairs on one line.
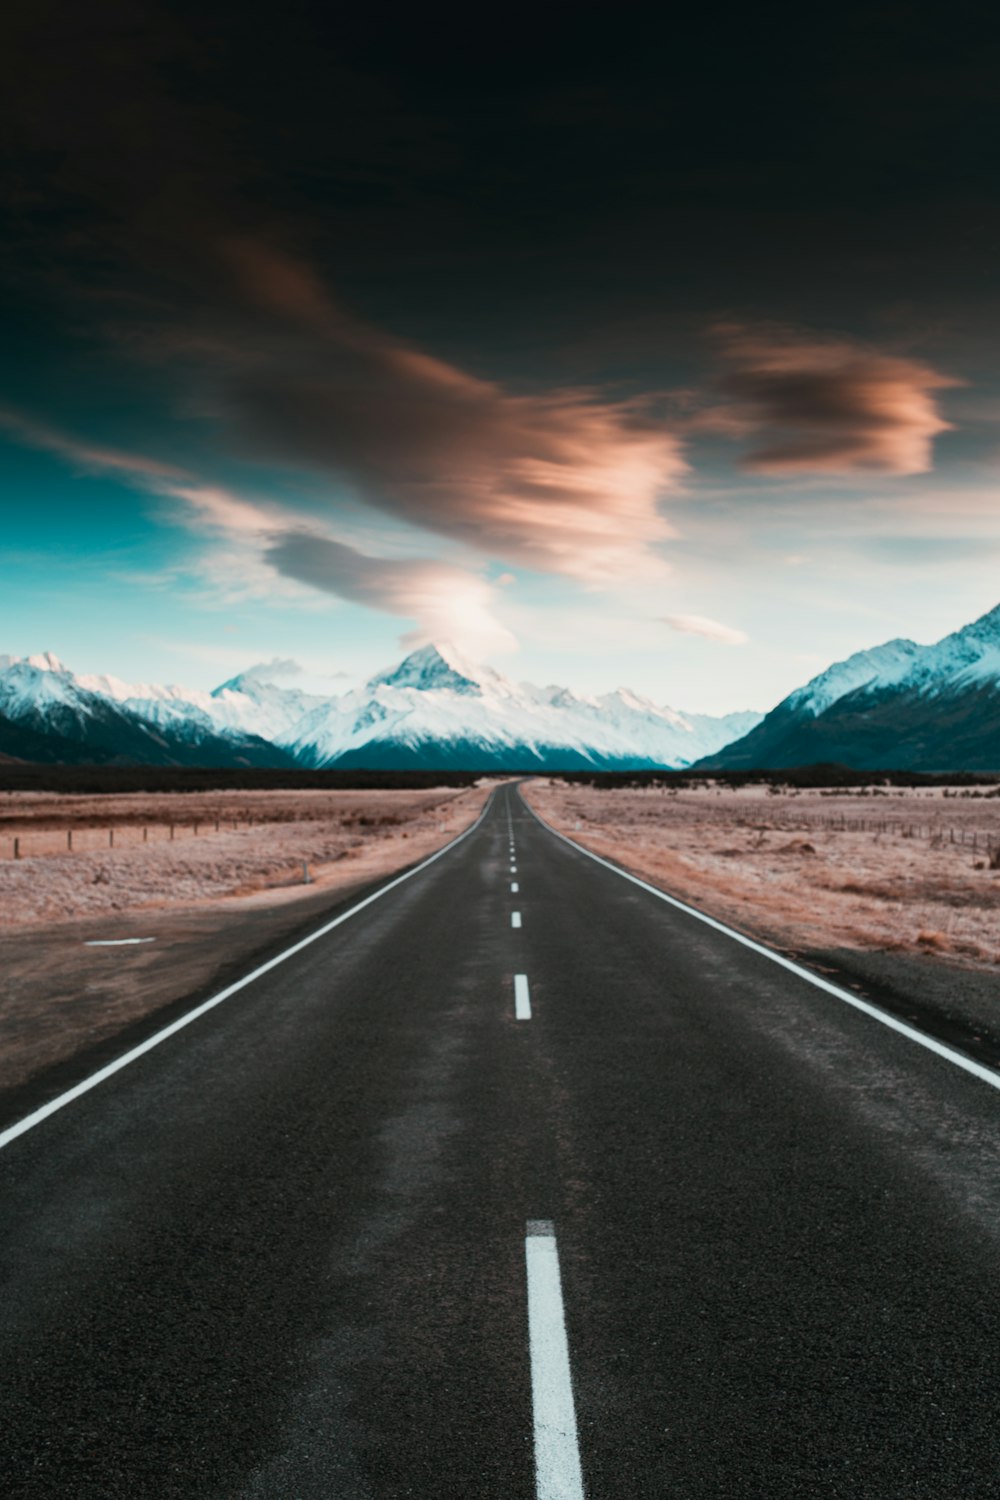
[[893, 869], [82, 855], [95, 939]]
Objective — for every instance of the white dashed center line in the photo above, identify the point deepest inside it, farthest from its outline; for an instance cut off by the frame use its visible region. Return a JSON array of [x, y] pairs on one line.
[[515, 919], [557, 1452], [514, 887], [522, 998]]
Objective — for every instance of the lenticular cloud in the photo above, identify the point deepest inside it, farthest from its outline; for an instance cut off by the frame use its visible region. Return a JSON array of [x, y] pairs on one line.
[[827, 406], [565, 481]]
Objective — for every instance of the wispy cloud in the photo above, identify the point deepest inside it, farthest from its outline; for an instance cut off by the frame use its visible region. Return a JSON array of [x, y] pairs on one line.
[[565, 481], [264, 544], [712, 630], [815, 405], [87, 458], [450, 603]]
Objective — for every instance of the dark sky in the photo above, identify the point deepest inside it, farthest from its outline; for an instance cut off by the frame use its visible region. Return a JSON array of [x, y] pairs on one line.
[[537, 177], [775, 230]]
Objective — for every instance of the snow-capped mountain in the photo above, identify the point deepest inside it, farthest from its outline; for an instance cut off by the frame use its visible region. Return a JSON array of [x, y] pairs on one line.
[[438, 709], [432, 709], [246, 705], [900, 706], [49, 714]]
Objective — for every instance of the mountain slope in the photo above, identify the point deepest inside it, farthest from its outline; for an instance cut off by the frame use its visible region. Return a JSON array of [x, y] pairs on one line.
[[900, 706], [434, 709], [48, 714]]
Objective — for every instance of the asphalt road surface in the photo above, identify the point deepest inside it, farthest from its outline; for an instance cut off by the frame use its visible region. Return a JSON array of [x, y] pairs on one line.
[[602, 1203]]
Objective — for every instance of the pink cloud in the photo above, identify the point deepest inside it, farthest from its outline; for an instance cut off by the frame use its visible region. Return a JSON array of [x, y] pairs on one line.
[[564, 481], [813, 405], [711, 630], [449, 603]]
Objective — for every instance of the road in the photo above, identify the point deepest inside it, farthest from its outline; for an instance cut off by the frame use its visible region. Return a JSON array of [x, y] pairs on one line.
[[287, 1253]]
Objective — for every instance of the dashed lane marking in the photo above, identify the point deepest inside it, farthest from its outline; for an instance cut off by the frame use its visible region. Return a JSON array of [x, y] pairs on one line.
[[557, 1450]]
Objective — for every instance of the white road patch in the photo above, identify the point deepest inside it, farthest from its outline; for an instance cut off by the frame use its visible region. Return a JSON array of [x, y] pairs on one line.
[[557, 1450], [115, 942], [515, 919], [522, 998], [968, 1064], [30, 1121], [514, 887]]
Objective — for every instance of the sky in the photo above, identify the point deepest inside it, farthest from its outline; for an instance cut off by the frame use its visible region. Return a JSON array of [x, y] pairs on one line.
[[615, 349]]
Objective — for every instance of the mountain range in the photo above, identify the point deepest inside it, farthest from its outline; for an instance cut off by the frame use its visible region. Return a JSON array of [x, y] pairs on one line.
[[899, 706], [432, 710]]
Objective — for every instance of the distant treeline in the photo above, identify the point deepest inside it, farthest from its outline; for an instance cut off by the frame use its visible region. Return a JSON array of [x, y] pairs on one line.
[[95, 780], [824, 775]]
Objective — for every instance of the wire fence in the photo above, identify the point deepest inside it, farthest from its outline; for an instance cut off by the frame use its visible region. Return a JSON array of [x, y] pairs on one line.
[[936, 834], [38, 843], [976, 835]]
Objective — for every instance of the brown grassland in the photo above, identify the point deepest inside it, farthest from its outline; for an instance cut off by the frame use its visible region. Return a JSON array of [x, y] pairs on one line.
[[203, 904], [895, 869]]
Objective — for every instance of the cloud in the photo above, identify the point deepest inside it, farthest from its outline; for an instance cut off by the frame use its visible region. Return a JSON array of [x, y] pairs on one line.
[[814, 405], [86, 457], [278, 666], [564, 481], [266, 543], [449, 603], [712, 630]]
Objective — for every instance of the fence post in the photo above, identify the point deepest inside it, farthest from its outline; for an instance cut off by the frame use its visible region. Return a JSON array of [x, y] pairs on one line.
[[171, 833], [69, 839], [111, 838], [145, 835], [17, 848]]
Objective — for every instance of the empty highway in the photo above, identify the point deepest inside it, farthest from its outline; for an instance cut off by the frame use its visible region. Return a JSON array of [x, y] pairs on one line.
[[517, 1182]]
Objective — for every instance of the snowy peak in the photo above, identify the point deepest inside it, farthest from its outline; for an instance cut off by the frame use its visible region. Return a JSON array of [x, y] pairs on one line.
[[967, 656], [434, 709], [985, 629], [431, 668], [46, 661], [898, 706], [880, 667]]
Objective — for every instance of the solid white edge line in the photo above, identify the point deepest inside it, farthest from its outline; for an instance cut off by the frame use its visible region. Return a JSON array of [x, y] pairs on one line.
[[969, 1064], [85, 1085], [557, 1450], [522, 998], [515, 919]]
